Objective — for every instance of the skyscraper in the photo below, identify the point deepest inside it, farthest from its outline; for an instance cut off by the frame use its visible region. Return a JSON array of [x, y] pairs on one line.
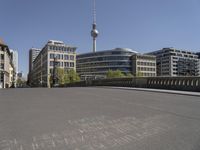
[[33, 53]]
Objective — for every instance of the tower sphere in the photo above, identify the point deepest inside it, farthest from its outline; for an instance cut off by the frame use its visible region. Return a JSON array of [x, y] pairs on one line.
[[94, 33]]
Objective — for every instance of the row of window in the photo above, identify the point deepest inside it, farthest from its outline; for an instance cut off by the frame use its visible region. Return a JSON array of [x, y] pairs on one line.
[[64, 49], [105, 58], [165, 62], [146, 69], [123, 69], [98, 64], [146, 63], [62, 57], [103, 54], [149, 74], [62, 64], [165, 73], [165, 69], [165, 66]]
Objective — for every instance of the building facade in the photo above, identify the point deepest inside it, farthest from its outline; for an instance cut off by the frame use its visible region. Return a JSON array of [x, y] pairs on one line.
[[14, 57], [7, 71], [96, 65], [143, 65], [198, 62], [198, 54], [33, 53], [43, 64], [174, 62]]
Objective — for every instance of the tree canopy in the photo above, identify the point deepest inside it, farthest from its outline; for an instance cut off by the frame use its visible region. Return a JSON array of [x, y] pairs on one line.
[[66, 76], [115, 74]]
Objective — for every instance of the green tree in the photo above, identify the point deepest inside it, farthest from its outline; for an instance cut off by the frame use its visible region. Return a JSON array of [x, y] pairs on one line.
[[72, 76], [20, 82], [60, 72], [115, 74], [139, 74], [109, 74], [129, 75], [65, 76]]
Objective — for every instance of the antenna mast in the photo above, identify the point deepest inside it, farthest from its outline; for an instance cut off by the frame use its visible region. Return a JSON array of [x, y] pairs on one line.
[[94, 11]]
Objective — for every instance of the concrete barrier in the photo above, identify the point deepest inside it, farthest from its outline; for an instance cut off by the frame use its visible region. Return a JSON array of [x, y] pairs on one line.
[[171, 83]]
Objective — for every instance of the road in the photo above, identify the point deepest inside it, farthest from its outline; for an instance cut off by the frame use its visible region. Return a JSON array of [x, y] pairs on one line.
[[97, 119]]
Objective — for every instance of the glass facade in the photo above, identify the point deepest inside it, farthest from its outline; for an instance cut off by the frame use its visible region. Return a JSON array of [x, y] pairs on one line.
[[99, 63]]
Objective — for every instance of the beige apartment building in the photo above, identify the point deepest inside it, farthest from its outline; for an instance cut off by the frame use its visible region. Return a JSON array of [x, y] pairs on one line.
[[144, 65], [43, 64], [6, 67]]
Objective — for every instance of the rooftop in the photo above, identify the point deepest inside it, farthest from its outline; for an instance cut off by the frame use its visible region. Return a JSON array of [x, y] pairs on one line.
[[116, 49], [2, 42]]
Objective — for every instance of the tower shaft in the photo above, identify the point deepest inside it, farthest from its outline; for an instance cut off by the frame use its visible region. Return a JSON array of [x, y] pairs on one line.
[[94, 45], [94, 32]]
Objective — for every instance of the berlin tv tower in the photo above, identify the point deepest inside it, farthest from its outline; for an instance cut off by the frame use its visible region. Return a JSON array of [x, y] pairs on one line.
[[94, 32]]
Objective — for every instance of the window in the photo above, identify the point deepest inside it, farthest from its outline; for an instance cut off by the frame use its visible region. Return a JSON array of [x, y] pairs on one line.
[[51, 63], [2, 56], [66, 64], [71, 57], [50, 47], [58, 64], [1, 77], [58, 56], [51, 56], [71, 64], [66, 57], [2, 66], [51, 71]]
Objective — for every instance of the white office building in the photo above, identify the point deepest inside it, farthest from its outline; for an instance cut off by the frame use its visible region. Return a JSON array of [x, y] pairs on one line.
[[174, 62], [43, 64]]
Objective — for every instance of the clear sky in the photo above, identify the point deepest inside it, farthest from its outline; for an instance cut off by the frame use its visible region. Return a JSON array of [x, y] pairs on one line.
[[143, 25]]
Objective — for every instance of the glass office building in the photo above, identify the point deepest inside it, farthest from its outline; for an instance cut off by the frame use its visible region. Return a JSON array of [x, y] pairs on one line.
[[96, 65]]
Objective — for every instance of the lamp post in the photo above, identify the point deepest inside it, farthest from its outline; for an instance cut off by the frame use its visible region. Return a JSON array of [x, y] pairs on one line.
[[54, 70]]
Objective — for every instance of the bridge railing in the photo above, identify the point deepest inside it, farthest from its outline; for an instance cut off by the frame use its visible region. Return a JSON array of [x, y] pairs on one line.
[[171, 83]]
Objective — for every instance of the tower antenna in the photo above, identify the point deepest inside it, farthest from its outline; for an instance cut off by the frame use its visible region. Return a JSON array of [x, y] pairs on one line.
[[94, 11]]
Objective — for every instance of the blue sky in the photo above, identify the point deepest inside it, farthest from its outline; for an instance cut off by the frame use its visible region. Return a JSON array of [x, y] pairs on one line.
[[143, 25]]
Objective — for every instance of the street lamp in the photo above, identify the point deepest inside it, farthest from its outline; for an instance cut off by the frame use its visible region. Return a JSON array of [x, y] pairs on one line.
[[54, 70]]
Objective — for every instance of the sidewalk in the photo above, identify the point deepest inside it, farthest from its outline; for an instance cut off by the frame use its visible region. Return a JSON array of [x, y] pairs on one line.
[[188, 93]]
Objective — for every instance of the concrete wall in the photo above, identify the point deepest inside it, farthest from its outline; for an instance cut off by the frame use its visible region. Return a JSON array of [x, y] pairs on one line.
[[171, 83], [175, 83]]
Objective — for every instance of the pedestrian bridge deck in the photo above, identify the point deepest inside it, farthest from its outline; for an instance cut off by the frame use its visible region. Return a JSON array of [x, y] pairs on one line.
[[97, 119]]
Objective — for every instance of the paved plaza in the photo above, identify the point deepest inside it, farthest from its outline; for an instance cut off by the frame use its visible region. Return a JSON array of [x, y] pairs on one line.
[[98, 119]]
